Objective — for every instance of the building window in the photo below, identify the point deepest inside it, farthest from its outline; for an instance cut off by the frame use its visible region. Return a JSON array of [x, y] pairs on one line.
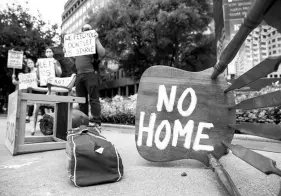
[[279, 38], [273, 40], [274, 52], [275, 76]]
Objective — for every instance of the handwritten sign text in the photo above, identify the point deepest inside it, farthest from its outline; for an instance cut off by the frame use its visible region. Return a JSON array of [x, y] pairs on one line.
[[15, 59], [46, 70], [172, 133], [80, 43], [27, 80]]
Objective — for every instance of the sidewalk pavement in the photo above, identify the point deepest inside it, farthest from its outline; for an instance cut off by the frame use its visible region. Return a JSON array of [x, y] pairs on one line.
[[45, 173]]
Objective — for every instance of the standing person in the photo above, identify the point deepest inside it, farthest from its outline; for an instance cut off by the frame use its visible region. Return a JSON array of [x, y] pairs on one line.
[[87, 81]]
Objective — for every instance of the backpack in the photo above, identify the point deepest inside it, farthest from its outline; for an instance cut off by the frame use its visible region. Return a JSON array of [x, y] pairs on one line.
[[92, 159]]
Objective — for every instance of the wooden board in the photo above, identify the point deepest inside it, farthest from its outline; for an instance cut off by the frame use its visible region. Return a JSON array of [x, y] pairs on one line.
[[12, 124], [193, 122]]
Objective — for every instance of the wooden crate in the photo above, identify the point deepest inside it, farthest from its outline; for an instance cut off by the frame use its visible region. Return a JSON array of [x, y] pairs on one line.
[[15, 139]]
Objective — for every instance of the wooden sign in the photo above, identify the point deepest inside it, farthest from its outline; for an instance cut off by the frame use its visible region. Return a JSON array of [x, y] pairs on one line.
[[46, 70], [182, 115], [78, 44], [27, 80], [11, 129], [15, 59], [60, 81]]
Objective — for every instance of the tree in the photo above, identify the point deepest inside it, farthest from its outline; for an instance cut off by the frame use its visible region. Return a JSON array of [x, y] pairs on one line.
[[139, 34], [23, 32]]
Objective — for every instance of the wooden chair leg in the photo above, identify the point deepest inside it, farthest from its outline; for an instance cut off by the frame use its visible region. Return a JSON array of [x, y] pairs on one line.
[[36, 112]]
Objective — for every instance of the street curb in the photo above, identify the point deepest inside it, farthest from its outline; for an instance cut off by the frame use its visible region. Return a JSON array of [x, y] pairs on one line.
[[236, 136]]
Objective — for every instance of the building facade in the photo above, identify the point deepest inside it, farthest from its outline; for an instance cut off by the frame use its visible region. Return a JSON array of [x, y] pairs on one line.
[[74, 17], [263, 42], [76, 12]]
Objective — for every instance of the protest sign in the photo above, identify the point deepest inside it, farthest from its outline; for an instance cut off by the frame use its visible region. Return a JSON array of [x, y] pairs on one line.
[[60, 81], [15, 59], [27, 80], [78, 44], [12, 128], [46, 70], [182, 115]]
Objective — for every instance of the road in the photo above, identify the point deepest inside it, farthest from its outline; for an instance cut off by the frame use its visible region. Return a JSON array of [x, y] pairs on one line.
[[45, 174]]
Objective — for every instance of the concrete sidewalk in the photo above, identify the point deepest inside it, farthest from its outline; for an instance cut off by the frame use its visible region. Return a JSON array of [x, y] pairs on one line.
[[45, 174]]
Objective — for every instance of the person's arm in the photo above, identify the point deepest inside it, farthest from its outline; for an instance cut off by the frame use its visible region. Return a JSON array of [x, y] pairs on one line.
[[58, 69], [14, 80], [100, 49]]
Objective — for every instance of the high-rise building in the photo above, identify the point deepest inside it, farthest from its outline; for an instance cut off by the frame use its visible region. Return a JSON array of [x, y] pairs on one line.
[[76, 12], [263, 42]]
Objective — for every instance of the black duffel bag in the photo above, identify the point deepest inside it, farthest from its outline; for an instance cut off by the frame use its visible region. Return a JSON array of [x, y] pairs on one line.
[[92, 159]]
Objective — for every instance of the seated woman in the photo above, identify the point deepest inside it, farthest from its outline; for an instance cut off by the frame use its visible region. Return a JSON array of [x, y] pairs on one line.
[[58, 71]]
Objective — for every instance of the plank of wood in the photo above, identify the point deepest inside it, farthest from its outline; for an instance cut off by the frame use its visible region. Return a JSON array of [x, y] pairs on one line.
[[52, 98], [38, 139], [262, 69], [260, 162], [259, 145], [263, 101], [197, 100], [12, 128], [223, 176], [271, 131], [40, 147], [61, 121]]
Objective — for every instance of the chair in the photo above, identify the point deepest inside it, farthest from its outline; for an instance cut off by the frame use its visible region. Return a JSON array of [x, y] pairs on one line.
[[53, 87]]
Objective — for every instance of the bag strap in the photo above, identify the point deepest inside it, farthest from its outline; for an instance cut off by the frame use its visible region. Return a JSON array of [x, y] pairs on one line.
[[84, 129]]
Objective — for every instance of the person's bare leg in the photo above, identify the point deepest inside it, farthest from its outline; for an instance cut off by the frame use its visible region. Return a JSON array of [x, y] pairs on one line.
[[36, 111]]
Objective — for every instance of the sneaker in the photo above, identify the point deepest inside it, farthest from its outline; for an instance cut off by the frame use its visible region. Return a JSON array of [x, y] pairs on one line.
[[95, 126]]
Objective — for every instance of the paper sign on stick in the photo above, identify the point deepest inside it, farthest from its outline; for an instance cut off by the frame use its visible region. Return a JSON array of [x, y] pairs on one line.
[[15, 59], [27, 80], [46, 70], [80, 43]]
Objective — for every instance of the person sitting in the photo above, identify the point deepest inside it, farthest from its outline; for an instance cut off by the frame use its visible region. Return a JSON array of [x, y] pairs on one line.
[[58, 72]]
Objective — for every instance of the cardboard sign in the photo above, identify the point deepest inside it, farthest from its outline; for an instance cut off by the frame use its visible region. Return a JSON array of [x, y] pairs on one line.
[[27, 80], [79, 44], [15, 59], [46, 70], [60, 81], [182, 115], [11, 122]]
